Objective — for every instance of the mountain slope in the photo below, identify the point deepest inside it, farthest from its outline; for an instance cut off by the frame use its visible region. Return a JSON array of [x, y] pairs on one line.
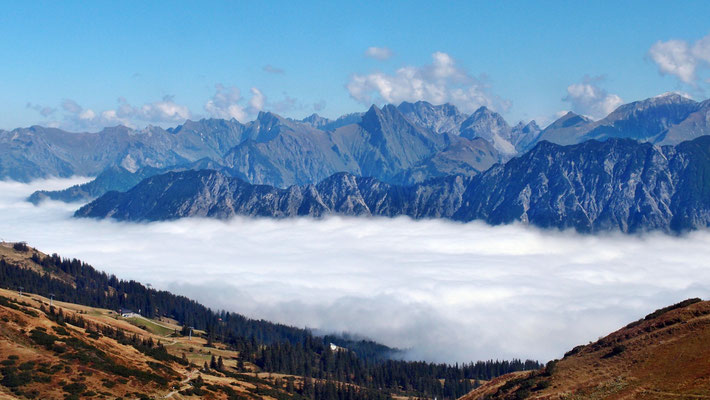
[[70, 351], [97, 342], [400, 145], [385, 142], [212, 194], [491, 126], [461, 157], [444, 118], [595, 186], [667, 119], [115, 178], [38, 152], [281, 153], [618, 184], [567, 129], [662, 356]]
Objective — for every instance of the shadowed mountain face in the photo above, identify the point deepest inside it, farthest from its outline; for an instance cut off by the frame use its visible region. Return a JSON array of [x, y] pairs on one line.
[[482, 124], [326, 124], [38, 152], [404, 145], [209, 193], [115, 178], [491, 126], [619, 185], [666, 119], [382, 143], [445, 118]]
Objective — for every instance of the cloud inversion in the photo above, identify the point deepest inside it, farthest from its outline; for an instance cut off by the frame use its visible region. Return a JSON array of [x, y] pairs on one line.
[[447, 291]]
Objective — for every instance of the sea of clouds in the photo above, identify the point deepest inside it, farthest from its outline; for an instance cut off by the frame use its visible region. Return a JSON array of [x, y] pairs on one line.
[[446, 291]]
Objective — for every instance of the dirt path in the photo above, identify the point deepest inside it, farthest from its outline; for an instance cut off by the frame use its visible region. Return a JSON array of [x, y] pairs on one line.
[[152, 321], [183, 383]]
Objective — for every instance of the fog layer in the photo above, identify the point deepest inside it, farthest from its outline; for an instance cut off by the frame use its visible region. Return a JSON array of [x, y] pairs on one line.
[[447, 291]]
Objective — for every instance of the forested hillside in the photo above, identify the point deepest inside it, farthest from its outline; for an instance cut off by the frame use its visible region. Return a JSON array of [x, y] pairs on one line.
[[270, 347]]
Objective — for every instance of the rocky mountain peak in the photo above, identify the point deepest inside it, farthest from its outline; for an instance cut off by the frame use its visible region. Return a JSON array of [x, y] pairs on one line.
[[316, 121], [444, 118], [491, 126]]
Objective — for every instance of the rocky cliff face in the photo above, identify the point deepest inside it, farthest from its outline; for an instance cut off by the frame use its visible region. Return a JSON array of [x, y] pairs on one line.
[[444, 118], [407, 144], [208, 193], [619, 185], [38, 152], [272, 150]]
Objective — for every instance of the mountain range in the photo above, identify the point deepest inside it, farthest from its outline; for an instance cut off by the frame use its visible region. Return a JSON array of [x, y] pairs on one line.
[[640, 168], [402, 144], [273, 150], [619, 184], [670, 118]]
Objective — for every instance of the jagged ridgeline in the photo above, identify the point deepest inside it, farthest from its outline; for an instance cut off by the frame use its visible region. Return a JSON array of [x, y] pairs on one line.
[[403, 144], [641, 168], [268, 346], [618, 184]]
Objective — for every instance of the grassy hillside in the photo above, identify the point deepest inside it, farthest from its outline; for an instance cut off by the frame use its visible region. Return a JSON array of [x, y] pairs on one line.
[[277, 361], [68, 351], [665, 355]]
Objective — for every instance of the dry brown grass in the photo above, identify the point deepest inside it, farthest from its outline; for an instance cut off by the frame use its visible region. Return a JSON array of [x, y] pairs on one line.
[[667, 357], [16, 325]]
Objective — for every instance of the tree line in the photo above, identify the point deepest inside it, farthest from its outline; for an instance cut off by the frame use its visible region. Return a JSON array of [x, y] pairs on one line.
[[270, 346]]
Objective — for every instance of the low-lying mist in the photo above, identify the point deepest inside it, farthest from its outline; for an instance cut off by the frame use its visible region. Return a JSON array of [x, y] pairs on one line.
[[449, 292]]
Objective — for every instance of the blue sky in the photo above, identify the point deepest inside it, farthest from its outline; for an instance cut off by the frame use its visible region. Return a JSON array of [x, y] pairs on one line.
[[83, 66]]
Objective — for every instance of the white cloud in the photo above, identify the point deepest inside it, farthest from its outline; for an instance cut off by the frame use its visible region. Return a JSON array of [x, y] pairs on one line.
[[87, 115], [440, 82], [257, 100], [589, 99], [674, 57], [449, 291], [228, 102], [165, 111], [379, 53], [681, 58], [161, 111]]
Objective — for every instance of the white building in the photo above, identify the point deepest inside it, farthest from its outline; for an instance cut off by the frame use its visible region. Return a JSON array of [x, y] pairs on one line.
[[129, 314]]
